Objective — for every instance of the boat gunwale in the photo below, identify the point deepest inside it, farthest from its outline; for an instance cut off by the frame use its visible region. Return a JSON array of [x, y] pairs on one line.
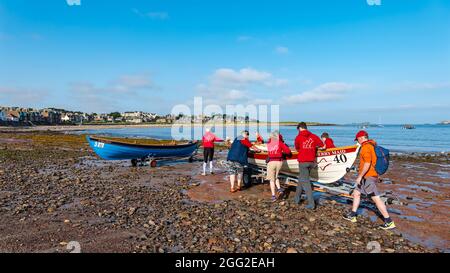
[[318, 151], [122, 143]]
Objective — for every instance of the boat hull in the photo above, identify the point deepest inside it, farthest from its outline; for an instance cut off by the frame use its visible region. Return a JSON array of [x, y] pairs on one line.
[[331, 165], [116, 150]]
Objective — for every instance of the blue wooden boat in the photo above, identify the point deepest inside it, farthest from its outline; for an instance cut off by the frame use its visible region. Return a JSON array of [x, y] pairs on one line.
[[113, 149]]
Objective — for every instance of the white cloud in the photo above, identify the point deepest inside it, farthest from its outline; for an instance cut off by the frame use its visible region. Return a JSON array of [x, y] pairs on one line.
[[234, 94], [156, 15], [260, 101], [111, 96], [282, 50], [245, 76], [409, 86], [123, 85], [324, 92], [24, 97], [127, 82], [229, 86], [407, 107]]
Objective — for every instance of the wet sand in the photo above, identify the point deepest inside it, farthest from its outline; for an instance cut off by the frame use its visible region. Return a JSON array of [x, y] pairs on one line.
[[54, 190]]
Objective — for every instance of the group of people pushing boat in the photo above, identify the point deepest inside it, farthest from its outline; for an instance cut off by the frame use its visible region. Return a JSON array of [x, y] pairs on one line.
[[306, 144]]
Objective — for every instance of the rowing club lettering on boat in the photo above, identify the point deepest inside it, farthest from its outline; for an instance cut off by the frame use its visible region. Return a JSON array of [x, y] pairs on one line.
[[335, 152], [263, 115]]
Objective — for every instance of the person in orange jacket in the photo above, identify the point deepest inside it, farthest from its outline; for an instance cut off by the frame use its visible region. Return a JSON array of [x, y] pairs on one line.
[[367, 181]]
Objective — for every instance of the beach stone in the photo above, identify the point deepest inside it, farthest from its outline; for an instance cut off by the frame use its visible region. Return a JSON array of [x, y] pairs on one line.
[[291, 250]]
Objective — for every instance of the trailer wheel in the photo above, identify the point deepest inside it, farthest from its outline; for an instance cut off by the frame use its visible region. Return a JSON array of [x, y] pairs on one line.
[[134, 162], [153, 163]]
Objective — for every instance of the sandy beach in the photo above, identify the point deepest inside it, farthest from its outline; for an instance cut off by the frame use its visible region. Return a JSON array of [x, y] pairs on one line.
[[54, 190]]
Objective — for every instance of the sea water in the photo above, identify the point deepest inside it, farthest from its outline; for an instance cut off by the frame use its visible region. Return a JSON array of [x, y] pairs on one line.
[[425, 138]]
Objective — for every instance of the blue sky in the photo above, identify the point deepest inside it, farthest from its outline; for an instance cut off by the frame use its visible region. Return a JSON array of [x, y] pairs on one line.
[[329, 61]]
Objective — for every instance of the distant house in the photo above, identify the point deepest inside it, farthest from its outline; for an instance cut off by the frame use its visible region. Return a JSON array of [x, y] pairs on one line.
[[34, 116], [133, 117], [65, 118], [2, 115], [73, 117], [50, 116], [13, 116]]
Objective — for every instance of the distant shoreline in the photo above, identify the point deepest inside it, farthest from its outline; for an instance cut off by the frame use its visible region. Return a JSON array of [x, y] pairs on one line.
[[59, 128]]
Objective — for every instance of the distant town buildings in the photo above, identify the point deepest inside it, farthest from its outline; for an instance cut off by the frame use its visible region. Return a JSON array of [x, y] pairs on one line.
[[54, 116]]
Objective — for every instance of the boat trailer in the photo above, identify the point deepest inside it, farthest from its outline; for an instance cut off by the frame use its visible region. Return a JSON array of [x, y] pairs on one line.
[[340, 188], [153, 161]]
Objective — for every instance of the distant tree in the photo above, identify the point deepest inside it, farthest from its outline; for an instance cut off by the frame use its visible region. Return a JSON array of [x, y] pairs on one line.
[[115, 115]]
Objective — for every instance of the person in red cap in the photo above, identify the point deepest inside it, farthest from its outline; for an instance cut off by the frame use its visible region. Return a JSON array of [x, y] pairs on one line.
[[367, 180], [306, 144]]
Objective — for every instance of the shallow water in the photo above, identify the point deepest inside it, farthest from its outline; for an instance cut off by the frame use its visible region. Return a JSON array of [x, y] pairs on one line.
[[425, 138]]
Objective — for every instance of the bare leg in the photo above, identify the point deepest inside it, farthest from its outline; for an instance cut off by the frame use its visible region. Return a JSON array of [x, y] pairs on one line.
[[272, 186], [278, 183], [232, 180], [356, 200], [239, 180], [381, 206]]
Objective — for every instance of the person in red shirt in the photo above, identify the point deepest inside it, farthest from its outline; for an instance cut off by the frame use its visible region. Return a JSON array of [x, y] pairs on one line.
[[329, 143], [208, 140], [276, 151], [306, 144], [259, 139]]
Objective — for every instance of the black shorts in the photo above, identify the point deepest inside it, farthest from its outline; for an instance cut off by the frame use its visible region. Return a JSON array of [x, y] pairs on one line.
[[208, 154]]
